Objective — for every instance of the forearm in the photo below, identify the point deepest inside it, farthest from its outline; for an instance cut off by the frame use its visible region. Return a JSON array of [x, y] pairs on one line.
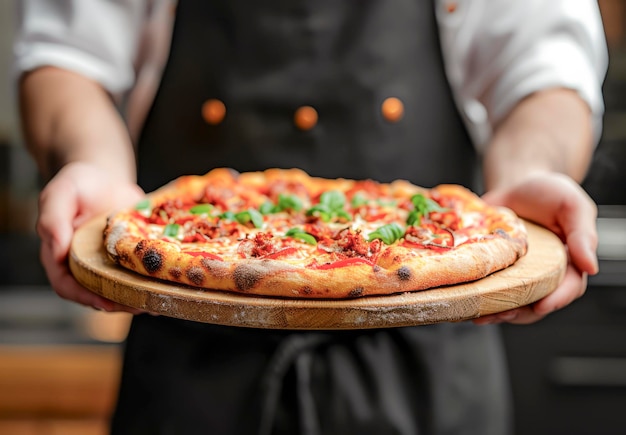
[[67, 117], [550, 131]]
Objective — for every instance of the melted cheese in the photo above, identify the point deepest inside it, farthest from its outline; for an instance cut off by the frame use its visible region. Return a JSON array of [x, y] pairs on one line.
[[379, 209]]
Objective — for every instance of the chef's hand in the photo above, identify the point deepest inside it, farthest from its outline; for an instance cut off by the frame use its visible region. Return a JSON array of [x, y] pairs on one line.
[[78, 192], [558, 203]]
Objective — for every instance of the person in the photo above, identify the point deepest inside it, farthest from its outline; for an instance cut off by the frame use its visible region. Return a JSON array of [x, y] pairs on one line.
[[503, 96]]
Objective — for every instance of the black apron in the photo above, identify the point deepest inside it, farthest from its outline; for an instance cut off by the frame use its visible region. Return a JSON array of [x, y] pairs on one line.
[[264, 60]]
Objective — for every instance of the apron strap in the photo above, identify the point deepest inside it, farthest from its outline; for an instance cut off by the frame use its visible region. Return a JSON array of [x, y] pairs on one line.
[[295, 351]]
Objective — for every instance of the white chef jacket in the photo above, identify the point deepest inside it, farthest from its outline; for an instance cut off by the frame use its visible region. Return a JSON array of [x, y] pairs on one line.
[[496, 52]]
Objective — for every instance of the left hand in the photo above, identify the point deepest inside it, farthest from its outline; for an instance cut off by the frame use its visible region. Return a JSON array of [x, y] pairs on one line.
[[558, 203]]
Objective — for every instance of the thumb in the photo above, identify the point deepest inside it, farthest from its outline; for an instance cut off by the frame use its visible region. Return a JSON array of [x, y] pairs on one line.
[[496, 197], [57, 209]]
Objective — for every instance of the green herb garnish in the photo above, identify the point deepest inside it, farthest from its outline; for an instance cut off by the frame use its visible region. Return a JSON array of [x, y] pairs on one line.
[[423, 206], [284, 202], [330, 207], [250, 215], [228, 216], [268, 207], [289, 202], [388, 233], [143, 205], [358, 199], [300, 234], [171, 230], [201, 209]]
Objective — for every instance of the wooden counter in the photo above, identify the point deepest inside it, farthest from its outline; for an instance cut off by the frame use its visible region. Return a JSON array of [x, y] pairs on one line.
[[46, 390]]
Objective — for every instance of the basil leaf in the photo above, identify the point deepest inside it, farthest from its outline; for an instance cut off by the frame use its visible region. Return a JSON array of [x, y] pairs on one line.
[[289, 202], [142, 205], [326, 217], [171, 230], [423, 206], [228, 215], [342, 214], [319, 208], [298, 233], [358, 200], [243, 217], [256, 218], [388, 233], [334, 199], [268, 208], [414, 218], [250, 215], [201, 209], [330, 207]]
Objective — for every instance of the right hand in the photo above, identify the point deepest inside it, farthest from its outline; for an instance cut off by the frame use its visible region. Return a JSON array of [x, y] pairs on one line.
[[78, 192]]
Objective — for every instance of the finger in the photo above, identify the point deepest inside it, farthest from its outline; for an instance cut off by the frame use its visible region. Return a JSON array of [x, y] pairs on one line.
[[54, 224], [518, 316], [579, 225], [53, 257], [68, 288], [126, 196], [495, 197], [522, 315], [64, 284], [572, 287], [564, 208]]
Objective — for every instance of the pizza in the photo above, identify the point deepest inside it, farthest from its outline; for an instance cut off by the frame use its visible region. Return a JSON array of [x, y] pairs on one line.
[[284, 233]]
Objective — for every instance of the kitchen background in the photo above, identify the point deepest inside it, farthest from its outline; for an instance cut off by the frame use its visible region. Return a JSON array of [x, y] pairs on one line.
[[59, 361]]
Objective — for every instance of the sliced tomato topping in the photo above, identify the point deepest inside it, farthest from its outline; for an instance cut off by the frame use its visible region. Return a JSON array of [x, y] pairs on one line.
[[139, 216], [282, 253], [185, 218], [194, 238], [376, 216]]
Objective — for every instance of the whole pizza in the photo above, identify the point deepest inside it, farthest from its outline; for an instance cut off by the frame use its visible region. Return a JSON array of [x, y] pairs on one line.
[[282, 232]]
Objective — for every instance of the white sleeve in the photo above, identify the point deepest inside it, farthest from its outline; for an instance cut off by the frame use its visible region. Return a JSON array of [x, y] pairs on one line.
[[499, 51], [96, 38]]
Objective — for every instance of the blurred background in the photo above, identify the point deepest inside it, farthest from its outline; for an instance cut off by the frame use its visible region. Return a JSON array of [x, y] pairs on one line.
[[59, 362]]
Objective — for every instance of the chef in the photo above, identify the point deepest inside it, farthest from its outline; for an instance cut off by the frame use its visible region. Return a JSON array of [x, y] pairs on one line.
[[502, 96]]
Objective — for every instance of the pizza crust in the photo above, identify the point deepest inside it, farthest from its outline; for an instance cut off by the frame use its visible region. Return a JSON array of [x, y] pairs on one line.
[[276, 278], [395, 270]]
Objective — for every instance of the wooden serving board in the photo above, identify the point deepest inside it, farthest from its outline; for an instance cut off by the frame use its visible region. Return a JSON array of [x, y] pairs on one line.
[[531, 278]]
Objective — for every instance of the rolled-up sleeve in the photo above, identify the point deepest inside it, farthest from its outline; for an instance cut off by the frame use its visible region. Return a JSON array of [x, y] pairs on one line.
[[500, 51], [96, 38]]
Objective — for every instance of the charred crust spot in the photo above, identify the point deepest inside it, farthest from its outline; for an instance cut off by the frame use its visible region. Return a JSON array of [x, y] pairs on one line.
[[376, 268], [404, 273], [176, 273], [141, 245], [214, 267], [152, 260], [195, 274], [306, 290], [356, 292], [246, 277]]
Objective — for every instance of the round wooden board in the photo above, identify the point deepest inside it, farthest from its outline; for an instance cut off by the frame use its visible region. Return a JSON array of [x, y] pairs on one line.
[[531, 278]]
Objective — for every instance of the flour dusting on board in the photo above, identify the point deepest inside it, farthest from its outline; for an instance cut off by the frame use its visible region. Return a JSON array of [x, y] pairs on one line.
[[401, 314]]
